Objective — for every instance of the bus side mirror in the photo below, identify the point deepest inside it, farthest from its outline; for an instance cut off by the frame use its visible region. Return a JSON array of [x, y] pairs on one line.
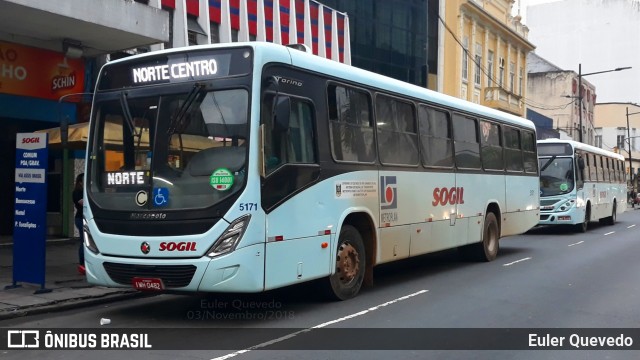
[[282, 113], [581, 163]]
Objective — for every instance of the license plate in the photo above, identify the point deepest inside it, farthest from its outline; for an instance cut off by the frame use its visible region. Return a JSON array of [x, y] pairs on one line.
[[147, 284]]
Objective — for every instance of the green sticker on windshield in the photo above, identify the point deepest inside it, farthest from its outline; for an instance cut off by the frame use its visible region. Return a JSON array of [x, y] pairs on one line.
[[564, 187], [221, 179]]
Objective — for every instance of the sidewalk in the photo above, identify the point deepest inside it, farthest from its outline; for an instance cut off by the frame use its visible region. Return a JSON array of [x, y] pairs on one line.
[[68, 288]]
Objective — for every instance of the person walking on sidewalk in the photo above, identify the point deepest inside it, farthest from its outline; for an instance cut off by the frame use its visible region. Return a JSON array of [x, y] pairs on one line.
[[78, 202]]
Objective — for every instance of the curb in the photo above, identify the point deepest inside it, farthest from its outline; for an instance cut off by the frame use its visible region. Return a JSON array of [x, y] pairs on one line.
[[74, 303]]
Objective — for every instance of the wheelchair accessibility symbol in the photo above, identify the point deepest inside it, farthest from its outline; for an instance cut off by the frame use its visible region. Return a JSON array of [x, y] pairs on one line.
[[160, 196]]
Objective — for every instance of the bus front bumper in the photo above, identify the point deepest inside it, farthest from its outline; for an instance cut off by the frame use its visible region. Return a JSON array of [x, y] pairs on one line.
[[239, 271], [559, 218]]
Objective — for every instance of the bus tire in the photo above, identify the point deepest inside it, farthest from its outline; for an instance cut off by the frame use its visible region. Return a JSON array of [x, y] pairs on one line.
[[584, 225], [347, 280], [487, 249], [611, 220]]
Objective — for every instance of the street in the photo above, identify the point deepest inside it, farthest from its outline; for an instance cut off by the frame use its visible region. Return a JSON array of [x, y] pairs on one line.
[[547, 278]]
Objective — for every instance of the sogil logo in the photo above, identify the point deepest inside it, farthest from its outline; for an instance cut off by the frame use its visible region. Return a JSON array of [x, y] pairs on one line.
[[388, 193]]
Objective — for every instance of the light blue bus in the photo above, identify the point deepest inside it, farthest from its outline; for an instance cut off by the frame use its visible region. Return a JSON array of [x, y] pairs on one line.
[[251, 166], [580, 183]]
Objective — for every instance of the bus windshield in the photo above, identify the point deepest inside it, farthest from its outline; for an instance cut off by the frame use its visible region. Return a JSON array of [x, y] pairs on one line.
[[182, 150], [556, 175]]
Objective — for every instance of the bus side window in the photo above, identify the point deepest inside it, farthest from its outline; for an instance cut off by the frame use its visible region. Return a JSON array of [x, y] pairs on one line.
[[294, 144], [397, 131], [466, 143], [351, 124], [513, 150], [529, 152], [492, 154], [435, 137]]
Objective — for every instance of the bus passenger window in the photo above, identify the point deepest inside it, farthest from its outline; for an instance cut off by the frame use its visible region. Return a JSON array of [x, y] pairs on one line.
[[513, 151], [467, 147], [529, 152], [435, 137], [351, 124], [492, 158], [397, 136]]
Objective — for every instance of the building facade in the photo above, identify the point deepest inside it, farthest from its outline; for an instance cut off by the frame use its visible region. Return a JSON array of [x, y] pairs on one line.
[[394, 38], [618, 129], [553, 92], [482, 53]]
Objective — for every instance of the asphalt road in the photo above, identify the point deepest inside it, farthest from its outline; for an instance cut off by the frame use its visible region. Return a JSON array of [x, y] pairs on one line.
[[549, 278]]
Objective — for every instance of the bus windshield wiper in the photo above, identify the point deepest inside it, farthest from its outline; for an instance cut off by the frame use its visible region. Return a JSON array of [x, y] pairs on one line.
[[546, 165], [179, 120], [126, 112]]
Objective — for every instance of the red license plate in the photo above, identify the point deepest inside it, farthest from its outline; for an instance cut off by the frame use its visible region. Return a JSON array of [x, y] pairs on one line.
[[147, 284]]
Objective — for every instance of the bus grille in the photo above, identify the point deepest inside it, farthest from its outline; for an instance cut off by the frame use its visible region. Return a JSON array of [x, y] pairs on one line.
[[171, 275]]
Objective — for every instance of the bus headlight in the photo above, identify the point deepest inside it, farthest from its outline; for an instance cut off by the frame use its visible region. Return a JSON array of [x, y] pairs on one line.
[[567, 205], [230, 237], [88, 239]]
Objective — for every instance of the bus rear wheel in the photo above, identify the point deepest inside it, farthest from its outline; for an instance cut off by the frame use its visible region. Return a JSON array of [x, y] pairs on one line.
[[347, 279], [611, 220], [487, 249]]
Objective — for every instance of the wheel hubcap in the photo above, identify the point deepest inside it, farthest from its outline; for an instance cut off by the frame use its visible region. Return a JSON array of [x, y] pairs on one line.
[[348, 262]]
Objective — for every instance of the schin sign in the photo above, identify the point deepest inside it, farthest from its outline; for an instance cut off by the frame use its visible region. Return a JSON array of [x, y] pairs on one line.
[[197, 68]]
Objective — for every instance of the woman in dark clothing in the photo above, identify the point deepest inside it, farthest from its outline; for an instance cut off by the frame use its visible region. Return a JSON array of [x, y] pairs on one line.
[[78, 202]]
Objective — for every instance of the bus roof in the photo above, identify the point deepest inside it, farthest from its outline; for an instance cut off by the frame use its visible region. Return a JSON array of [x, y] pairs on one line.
[[270, 52], [582, 146]]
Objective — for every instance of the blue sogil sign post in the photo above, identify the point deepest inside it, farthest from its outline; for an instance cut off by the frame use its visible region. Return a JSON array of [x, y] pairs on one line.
[[30, 214], [221, 179]]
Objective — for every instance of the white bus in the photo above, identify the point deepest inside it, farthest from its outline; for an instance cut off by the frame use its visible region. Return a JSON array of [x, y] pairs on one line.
[[251, 166], [580, 183]]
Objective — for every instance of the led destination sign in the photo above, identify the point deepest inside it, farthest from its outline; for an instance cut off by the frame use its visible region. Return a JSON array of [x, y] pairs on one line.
[[193, 65], [177, 71]]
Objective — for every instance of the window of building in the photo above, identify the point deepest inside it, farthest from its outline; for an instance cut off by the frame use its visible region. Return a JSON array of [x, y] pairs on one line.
[[620, 141], [598, 141], [435, 137], [193, 30], [478, 64], [397, 131], [489, 68], [521, 82], [215, 33], [501, 72], [512, 76], [465, 59], [351, 124]]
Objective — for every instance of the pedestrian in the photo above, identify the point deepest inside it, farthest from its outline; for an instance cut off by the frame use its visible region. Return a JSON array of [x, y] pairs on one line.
[[78, 202]]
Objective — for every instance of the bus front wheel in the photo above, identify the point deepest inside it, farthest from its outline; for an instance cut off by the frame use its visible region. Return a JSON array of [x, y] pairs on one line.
[[347, 279], [583, 226]]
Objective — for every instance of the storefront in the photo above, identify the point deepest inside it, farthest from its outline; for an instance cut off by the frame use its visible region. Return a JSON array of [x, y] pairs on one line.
[[35, 94]]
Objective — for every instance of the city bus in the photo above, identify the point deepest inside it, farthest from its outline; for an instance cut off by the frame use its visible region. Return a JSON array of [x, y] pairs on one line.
[[580, 183], [247, 167]]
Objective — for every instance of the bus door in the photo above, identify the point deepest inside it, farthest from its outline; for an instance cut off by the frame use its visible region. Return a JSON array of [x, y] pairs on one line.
[[293, 252]]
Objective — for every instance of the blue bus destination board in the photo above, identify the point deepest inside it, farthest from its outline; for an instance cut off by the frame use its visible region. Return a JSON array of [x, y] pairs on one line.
[[30, 214]]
